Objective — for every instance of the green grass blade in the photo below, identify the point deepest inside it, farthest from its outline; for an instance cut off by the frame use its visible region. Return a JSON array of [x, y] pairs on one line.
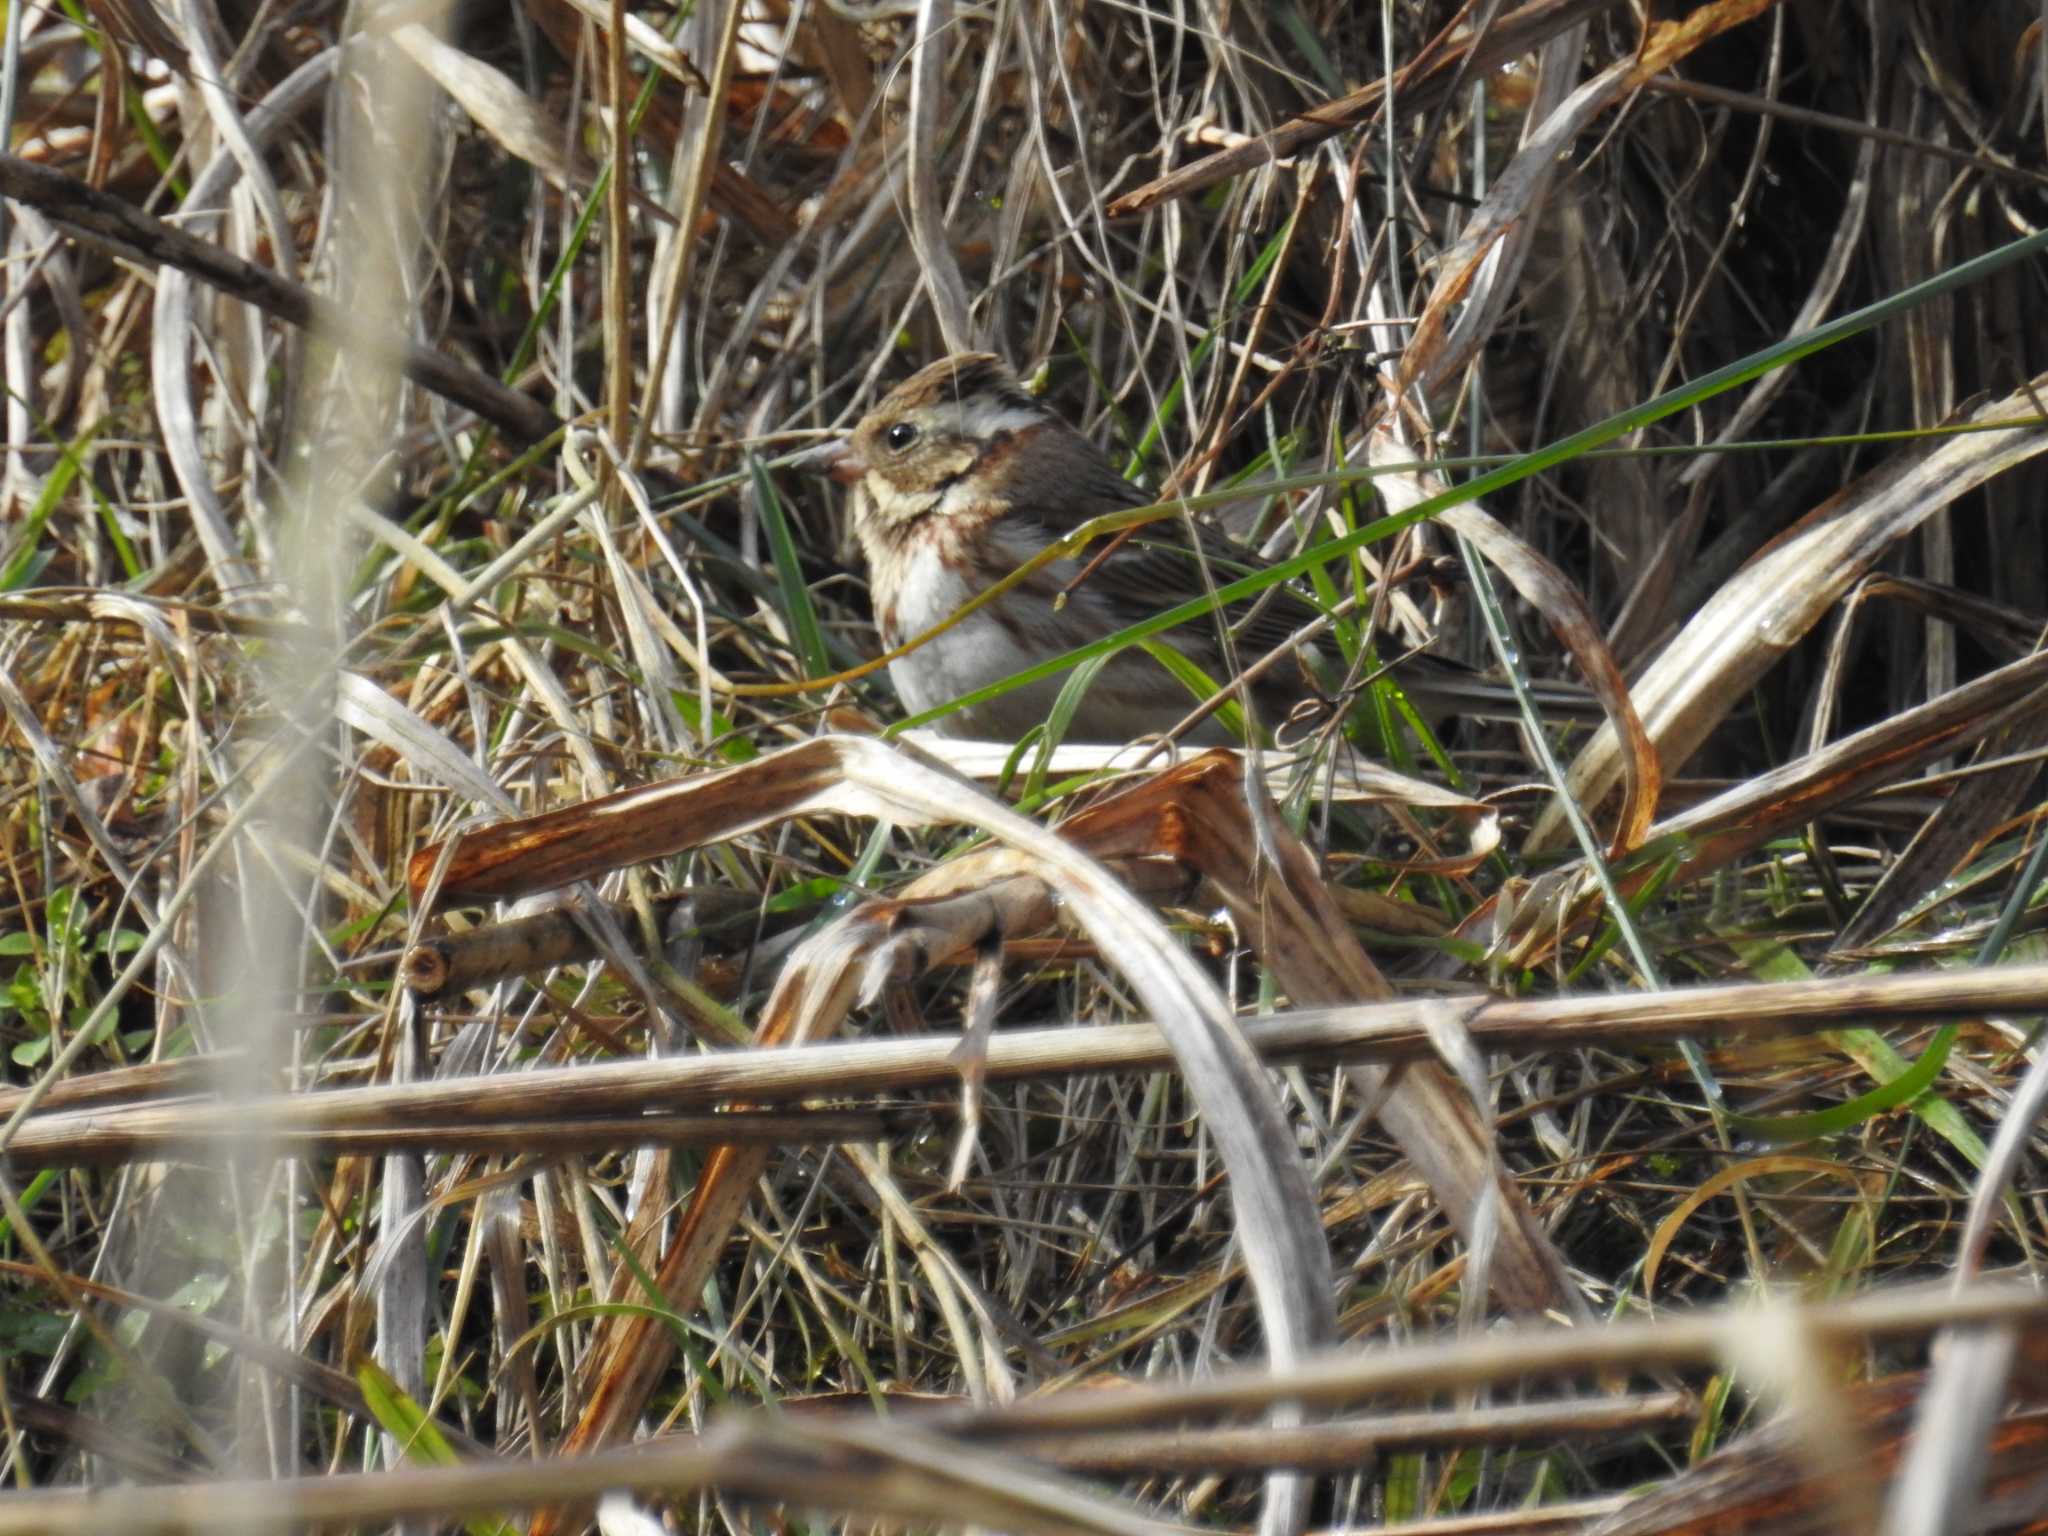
[[1620, 424], [797, 607]]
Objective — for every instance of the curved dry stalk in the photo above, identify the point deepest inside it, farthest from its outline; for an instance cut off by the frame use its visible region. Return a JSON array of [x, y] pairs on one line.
[[1477, 271], [1570, 616], [1281, 1235], [1753, 620], [1205, 815], [1713, 835]]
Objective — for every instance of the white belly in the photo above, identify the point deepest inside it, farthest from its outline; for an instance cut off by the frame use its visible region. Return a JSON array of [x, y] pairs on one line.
[[1131, 697]]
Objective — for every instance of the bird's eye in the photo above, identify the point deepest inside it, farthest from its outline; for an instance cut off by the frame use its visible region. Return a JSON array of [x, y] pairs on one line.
[[900, 436]]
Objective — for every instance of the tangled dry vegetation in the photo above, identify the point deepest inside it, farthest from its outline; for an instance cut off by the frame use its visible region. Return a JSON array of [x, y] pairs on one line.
[[1544, 1128]]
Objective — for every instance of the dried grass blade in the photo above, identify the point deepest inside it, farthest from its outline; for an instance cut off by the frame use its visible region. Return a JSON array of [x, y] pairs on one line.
[[928, 230], [1743, 818], [1955, 1426], [113, 224], [195, 1131], [1478, 271], [1281, 1235], [1959, 827], [496, 105], [1711, 836], [1423, 82], [1396, 1031], [1753, 620], [1200, 814], [644, 39], [1563, 606]]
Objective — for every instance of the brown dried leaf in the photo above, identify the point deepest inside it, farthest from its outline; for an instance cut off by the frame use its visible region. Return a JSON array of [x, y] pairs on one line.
[[1202, 814]]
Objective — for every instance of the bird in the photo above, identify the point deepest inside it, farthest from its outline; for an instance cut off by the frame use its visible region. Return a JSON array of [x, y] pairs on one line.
[[959, 476]]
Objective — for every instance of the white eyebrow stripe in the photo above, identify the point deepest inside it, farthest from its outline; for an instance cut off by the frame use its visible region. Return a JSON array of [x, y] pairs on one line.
[[985, 418]]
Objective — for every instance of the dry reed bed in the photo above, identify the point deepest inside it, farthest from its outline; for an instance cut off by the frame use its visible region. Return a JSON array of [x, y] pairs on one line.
[[287, 603]]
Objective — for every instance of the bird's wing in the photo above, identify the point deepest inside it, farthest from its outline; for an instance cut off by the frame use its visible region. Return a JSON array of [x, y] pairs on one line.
[[1158, 569], [1155, 568]]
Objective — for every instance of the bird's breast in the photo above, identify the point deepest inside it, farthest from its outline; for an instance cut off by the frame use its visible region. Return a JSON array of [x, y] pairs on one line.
[[1021, 627]]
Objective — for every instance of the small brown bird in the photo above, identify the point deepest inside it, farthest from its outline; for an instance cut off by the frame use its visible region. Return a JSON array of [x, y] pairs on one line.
[[959, 477]]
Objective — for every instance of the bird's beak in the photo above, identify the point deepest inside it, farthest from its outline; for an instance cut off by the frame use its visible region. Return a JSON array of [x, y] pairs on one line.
[[838, 460]]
